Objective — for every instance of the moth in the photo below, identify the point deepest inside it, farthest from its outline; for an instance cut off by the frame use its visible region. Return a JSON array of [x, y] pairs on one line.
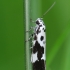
[[38, 55]]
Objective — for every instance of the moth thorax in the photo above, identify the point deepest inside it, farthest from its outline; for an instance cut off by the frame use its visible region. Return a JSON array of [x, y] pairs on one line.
[[39, 21]]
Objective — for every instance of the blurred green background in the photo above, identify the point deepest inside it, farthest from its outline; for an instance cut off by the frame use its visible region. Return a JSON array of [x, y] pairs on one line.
[[12, 33]]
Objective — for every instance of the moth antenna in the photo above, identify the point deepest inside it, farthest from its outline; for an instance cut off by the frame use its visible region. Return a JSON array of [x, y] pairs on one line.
[[48, 10]]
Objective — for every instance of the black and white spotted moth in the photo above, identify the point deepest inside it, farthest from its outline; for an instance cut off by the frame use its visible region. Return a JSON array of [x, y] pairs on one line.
[[38, 56]]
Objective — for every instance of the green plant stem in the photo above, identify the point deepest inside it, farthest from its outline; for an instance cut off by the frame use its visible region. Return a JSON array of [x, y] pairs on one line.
[[32, 11], [27, 34]]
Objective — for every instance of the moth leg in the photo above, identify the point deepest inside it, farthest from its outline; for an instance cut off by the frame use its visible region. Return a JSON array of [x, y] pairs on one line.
[[31, 47], [33, 42], [30, 37], [30, 29]]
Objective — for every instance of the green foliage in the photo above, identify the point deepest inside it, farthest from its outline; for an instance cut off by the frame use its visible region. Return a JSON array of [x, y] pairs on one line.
[[12, 33]]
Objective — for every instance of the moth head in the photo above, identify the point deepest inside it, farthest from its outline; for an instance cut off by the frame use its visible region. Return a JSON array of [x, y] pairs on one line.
[[39, 21]]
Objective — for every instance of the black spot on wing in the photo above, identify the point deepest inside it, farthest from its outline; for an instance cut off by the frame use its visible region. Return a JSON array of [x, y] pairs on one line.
[[39, 65], [40, 25], [37, 22], [36, 47], [38, 30], [42, 37], [42, 50], [39, 49], [44, 30], [43, 42], [40, 53], [35, 37]]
